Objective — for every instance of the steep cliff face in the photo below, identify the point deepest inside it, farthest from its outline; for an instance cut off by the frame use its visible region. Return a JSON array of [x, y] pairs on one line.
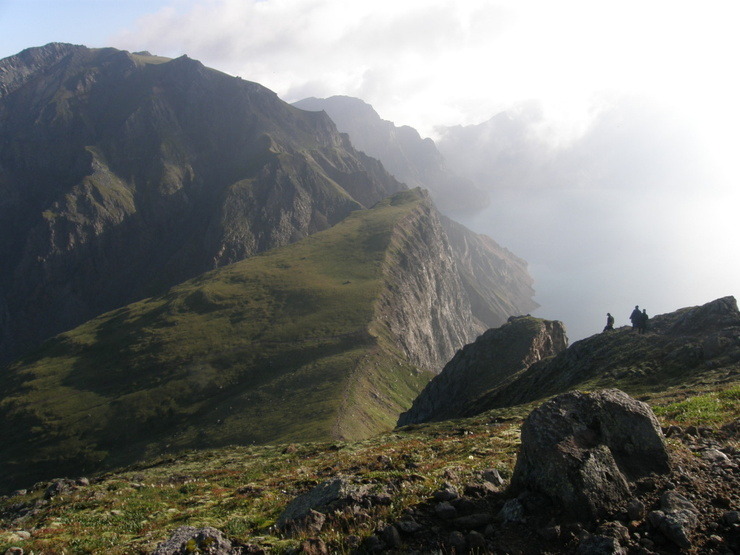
[[425, 305], [495, 358], [496, 280], [403, 152], [122, 174]]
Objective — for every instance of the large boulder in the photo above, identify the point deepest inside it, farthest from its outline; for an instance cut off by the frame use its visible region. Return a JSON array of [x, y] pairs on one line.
[[306, 512], [188, 539], [582, 450]]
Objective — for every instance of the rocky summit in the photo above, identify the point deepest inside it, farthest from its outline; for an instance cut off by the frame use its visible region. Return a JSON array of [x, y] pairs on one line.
[[495, 358]]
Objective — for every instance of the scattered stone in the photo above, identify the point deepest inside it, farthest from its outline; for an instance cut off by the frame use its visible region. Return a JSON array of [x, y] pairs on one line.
[[445, 511], [188, 539], [549, 533], [470, 522], [715, 456], [14, 551], [493, 476], [581, 449], [314, 546], [615, 530], [731, 517], [334, 494], [512, 512], [373, 544], [60, 487], [409, 526], [475, 541], [457, 541], [676, 520], [480, 489], [390, 536], [448, 492], [595, 544], [636, 510]]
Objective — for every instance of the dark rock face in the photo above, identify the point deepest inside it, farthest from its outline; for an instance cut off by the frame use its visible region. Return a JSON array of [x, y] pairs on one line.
[[123, 174], [494, 358], [582, 450], [411, 159]]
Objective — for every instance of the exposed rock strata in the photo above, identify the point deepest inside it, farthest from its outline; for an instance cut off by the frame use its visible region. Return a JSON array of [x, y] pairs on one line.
[[494, 358], [424, 304]]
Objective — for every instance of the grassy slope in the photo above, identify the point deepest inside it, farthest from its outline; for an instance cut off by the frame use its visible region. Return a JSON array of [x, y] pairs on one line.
[[242, 490], [277, 348]]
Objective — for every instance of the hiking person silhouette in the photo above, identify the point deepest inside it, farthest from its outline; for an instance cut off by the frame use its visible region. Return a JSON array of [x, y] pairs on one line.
[[643, 321], [635, 318], [609, 322]]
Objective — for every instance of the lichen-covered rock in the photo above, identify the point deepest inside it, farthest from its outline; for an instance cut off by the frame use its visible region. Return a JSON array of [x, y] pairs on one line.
[[188, 539], [582, 450], [332, 494], [677, 518]]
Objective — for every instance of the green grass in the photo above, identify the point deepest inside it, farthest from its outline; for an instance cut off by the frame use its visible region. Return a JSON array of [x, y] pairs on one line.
[[707, 409], [279, 347]]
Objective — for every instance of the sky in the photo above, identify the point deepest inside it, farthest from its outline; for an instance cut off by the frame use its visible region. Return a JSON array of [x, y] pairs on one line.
[[614, 131]]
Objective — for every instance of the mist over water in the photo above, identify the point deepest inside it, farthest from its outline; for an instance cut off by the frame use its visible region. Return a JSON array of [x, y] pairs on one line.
[[628, 213]]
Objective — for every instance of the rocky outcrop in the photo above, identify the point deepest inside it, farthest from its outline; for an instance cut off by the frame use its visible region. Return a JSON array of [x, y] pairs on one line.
[[411, 159], [583, 450], [188, 539], [123, 174], [424, 303], [495, 358], [688, 342]]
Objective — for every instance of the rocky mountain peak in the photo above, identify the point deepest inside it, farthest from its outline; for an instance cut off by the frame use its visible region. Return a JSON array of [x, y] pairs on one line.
[[495, 358]]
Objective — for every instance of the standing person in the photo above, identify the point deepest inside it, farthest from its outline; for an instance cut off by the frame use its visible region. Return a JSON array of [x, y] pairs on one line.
[[643, 321], [635, 318], [609, 322]]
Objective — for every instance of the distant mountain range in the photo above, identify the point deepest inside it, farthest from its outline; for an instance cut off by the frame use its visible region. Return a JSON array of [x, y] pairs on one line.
[[413, 160]]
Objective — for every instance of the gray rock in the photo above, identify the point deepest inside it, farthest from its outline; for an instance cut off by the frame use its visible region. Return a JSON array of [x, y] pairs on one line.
[[447, 493], [493, 476], [445, 511], [310, 523], [636, 510], [390, 536], [188, 539], [614, 530], [731, 517], [470, 522], [676, 520], [480, 489], [457, 541], [595, 544], [475, 541], [581, 450], [314, 546], [332, 494], [512, 512], [409, 526]]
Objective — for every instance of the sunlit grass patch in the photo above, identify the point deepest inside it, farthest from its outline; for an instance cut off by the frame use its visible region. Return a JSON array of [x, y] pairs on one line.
[[708, 409]]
